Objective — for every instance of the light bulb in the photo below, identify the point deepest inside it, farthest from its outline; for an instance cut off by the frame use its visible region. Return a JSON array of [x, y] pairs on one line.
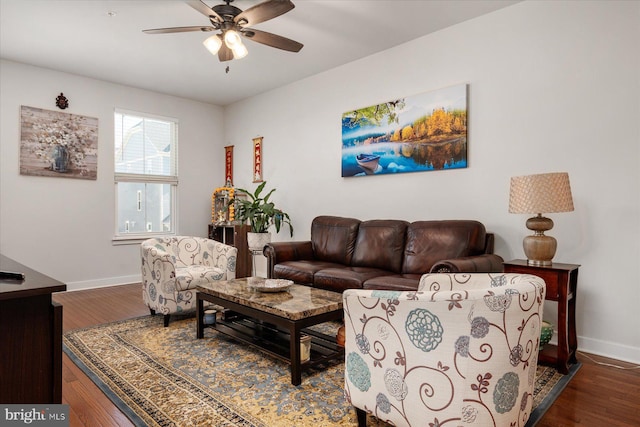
[[232, 39], [213, 44], [239, 51]]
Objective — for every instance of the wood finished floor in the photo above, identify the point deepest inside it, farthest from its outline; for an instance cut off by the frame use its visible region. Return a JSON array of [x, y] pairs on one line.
[[597, 396]]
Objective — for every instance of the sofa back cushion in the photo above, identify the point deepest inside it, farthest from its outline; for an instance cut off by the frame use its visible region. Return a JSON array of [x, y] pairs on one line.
[[380, 244], [334, 238], [431, 241]]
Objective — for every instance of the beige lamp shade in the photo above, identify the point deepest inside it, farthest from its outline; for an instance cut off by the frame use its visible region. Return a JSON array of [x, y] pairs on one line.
[[538, 194], [542, 193]]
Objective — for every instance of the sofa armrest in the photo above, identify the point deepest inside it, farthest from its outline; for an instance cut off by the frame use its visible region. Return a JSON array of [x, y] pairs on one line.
[[487, 263], [153, 252], [158, 267], [220, 255], [277, 252]]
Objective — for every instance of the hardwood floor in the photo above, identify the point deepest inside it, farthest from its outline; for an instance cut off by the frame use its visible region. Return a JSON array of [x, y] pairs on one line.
[[597, 396], [88, 406]]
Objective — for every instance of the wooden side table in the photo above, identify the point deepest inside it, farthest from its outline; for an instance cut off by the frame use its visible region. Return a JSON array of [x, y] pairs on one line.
[[236, 236], [562, 282]]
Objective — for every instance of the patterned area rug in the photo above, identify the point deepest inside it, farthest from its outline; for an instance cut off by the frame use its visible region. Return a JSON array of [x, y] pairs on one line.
[[163, 376]]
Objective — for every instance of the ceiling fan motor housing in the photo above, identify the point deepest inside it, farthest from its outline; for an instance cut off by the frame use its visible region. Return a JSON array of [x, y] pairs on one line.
[[226, 12]]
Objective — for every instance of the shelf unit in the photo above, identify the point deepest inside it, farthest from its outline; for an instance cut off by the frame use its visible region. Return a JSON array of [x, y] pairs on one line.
[[236, 236]]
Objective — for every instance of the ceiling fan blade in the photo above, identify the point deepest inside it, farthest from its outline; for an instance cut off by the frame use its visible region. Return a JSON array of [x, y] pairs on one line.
[[264, 11], [202, 7], [177, 30], [225, 54], [272, 40]]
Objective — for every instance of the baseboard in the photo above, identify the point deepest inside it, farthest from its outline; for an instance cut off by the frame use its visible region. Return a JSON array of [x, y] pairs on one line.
[[102, 283], [625, 353]]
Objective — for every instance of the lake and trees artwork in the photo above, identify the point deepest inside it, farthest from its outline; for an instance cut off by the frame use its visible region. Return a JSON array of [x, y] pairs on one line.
[[424, 132]]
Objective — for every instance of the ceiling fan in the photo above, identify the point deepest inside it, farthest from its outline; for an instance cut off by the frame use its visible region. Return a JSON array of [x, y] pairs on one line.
[[233, 23]]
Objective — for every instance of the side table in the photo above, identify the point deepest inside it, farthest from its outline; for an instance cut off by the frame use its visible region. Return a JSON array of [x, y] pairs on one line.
[[236, 236], [562, 283]]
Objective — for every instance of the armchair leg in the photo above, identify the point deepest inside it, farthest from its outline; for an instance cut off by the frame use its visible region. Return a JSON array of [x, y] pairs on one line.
[[362, 417], [166, 320], [152, 311]]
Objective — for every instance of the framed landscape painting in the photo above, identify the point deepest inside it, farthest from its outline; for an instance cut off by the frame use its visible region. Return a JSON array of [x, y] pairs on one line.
[[424, 132]]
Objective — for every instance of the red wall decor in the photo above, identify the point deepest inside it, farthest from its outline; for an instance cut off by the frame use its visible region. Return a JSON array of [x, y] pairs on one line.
[[257, 159], [228, 165]]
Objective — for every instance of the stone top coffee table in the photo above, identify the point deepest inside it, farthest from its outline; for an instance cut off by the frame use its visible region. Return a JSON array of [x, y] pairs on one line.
[[274, 321]]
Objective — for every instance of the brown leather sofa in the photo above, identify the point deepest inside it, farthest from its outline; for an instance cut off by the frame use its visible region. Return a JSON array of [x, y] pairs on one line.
[[347, 253]]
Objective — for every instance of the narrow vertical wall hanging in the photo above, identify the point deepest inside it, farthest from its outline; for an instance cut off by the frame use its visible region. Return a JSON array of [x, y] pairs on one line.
[[228, 165], [257, 159]]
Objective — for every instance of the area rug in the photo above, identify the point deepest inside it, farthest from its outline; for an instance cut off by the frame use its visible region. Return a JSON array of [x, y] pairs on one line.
[[161, 376]]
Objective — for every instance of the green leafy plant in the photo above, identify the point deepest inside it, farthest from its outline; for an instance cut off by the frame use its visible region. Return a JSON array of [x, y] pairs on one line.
[[259, 211]]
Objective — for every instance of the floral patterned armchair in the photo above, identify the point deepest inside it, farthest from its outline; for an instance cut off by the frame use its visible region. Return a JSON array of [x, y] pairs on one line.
[[461, 350], [172, 267]]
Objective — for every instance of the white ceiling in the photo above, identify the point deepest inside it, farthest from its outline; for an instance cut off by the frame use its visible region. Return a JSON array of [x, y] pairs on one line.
[[80, 37]]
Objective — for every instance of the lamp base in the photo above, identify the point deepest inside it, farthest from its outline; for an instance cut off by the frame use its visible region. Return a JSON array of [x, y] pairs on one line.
[[538, 248], [537, 263]]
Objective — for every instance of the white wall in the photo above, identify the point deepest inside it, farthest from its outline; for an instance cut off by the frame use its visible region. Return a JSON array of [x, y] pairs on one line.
[[64, 227], [553, 86]]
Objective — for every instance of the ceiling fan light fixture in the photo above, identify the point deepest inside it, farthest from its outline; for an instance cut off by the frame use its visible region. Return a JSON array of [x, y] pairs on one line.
[[239, 51], [232, 24], [213, 44], [232, 39]]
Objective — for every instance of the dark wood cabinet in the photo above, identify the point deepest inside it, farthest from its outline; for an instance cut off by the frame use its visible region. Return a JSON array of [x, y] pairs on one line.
[[236, 236], [562, 287], [31, 337]]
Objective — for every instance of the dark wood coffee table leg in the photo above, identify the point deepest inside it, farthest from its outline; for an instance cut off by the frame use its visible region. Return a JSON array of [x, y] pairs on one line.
[[199, 316], [247, 321], [294, 350]]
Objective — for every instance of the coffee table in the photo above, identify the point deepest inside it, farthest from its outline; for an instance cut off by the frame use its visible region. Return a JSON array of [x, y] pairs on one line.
[[274, 321]]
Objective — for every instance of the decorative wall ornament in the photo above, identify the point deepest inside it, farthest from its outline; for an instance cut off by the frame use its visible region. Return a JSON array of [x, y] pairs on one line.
[[418, 133], [228, 165], [62, 102], [257, 159], [53, 143]]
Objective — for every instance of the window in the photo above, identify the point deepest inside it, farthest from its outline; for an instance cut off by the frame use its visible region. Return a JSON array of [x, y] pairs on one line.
[[146, 175]]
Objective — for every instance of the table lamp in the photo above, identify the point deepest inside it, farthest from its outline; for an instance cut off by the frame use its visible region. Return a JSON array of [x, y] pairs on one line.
[[538, 194]]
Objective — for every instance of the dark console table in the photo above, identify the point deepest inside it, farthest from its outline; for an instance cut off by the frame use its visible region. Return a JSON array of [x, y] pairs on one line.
[[31, 337], [562, 287]]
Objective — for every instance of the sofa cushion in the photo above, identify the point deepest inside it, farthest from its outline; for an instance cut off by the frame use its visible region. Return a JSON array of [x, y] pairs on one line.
[[333, 238], [398, 282], [339, 279], [301, 271], [380, 244], [431, 241]]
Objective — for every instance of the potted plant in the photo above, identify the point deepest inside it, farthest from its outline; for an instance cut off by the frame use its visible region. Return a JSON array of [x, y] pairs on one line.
[[261, 214]]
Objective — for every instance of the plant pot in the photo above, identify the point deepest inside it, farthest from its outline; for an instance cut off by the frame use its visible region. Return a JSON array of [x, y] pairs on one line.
[[546, 332], [257, 241]]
